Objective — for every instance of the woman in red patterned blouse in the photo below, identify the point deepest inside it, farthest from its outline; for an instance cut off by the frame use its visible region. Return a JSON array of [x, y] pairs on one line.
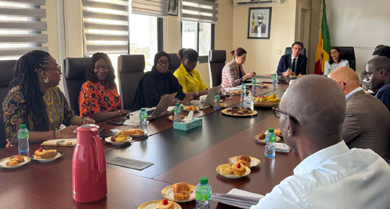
[[99, 98]]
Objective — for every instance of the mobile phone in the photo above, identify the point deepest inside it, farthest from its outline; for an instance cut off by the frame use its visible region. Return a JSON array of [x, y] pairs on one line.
[[117, 122]]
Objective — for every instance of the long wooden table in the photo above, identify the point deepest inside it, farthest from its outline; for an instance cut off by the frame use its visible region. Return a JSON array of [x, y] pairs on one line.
[[177, 156]]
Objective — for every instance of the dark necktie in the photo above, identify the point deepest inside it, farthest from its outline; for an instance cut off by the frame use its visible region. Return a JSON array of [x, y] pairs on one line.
[[293, 65]]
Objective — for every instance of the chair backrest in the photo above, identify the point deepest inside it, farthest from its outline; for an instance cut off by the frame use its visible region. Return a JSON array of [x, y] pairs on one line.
[[175, 62], [74, 70], [6, 67], [288, 51], [349, 54], [217, 59], [130, 71]]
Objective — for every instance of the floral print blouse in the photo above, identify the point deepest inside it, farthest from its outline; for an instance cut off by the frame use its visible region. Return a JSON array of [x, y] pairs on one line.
[[16, 112], [95, 98], [231, 75]]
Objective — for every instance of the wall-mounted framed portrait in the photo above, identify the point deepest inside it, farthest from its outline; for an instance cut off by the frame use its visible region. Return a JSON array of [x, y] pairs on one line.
[[259, 23]]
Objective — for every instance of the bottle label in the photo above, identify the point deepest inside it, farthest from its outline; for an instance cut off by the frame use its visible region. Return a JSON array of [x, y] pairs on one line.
[[201, 197]]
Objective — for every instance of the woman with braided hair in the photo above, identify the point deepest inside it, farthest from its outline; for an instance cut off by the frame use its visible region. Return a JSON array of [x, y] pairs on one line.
[[34, 99]]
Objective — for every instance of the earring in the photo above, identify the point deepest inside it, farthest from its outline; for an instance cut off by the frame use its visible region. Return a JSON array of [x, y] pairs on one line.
[[46, 80]]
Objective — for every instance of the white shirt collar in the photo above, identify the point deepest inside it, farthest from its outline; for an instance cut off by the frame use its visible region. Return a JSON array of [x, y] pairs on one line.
[[315, 160], [294, 57], [352, 92]]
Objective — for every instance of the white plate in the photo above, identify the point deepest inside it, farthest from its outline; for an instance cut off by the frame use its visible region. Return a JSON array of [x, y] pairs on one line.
[[254, 161], [108, 140], [232, 176], [59, 154], [184, 108], [263, 140], [168, 194], [4, 161], [153, 205]]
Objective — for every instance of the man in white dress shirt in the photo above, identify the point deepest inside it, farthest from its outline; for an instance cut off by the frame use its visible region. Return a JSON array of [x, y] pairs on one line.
[[330, 174]]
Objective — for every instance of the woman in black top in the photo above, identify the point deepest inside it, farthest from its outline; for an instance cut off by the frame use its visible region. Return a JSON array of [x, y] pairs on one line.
[[158, 83]]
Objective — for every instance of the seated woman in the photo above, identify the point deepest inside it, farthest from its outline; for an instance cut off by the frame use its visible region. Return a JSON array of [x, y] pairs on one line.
[[335, 60], [99, 98], [233, 74], [36, 100], [158, 83], [187, 76]]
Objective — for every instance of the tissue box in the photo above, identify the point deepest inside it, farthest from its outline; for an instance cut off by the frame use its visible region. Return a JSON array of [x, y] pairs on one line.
[[185, 126]]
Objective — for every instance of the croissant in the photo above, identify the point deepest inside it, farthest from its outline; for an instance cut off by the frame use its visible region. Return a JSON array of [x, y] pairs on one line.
[[181, 187], [181, 196]]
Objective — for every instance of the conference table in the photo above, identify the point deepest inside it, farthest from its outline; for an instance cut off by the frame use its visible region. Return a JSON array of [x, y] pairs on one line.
[[176, 155]]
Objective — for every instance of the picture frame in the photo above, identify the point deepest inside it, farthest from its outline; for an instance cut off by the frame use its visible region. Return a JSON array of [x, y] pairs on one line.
[[173, 7], [259, 23]]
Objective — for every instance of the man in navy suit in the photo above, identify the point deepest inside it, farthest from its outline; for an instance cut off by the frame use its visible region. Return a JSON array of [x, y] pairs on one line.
[[294, 63]]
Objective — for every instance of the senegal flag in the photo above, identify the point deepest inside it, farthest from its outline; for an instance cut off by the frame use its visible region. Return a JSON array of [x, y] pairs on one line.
[[323, 46]]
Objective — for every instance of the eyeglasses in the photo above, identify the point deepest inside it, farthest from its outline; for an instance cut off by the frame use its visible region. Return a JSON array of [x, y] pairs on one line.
[[163, 63], [278, 112], [101, 67], [370, 73]]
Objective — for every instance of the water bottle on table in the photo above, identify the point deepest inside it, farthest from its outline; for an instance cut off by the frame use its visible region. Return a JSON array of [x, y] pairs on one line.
[[249, 101], [254, 84], [274, 79], [217, 100], [143, 121], [23, 145], [270, 139], [203, 194], [243, 92], [177, 113]]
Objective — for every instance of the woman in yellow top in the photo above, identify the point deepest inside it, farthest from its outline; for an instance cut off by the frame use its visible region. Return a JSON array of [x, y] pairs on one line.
[[188, 77]]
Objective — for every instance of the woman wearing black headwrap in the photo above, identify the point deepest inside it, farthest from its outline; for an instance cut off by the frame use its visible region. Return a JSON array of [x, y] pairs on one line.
[[157, 83]]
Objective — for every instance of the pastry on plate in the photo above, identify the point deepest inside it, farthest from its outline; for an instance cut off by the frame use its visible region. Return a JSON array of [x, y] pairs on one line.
[[18, 158], [181, 196], [261, 136], [135, 132], [238, 169], [45, 154], [120, 137], [226, 170], [277, 132], [12, 163], [181, 187], [245, 160], [165, 204]]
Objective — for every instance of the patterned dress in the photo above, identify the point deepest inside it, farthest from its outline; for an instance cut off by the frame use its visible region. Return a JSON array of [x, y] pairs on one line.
[[231, 75], [95, 98], [16, 113]]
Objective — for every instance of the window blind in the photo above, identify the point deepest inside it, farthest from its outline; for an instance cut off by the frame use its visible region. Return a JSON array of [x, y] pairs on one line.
[[21, 27], [199, 11], [106, 26], [158, 8]]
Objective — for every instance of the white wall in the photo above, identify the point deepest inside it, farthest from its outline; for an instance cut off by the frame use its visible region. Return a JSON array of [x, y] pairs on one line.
[[361, 24]]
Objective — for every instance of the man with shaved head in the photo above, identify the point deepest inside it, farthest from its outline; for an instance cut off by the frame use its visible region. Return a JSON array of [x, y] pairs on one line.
[[330, 174], [378, 73], [367, 120]]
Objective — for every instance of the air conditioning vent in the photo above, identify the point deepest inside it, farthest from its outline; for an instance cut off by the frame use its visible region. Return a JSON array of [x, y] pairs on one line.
[[256, 2]]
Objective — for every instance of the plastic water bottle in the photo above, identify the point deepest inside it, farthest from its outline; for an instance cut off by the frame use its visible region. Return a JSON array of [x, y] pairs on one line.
[[23, 145], [177, 113], [249, 101], [217, 100], [274, 79], [203, 194], [143, 121], [243, 92], [270, 139], [254, 84]]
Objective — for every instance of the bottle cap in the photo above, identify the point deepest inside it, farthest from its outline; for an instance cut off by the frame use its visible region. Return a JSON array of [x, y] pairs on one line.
[[22, 126], [203, 180], [242, 83], [270, 130], [142, 109], [177, 105], [216, 93]]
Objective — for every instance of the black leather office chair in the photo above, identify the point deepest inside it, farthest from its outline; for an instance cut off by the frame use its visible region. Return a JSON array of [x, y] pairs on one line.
[[6, 69], [74, 70], [175, 62], [288, 51], [130, 71], [217, 59], [349, 54]]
